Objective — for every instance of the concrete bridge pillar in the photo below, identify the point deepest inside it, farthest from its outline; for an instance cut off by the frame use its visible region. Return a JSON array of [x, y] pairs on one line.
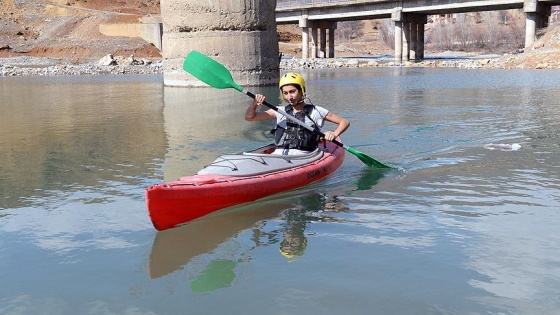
[[303, 22], [331, 40], [406, 40], [314, 41], [397, 18], [325, 26], [537, 14], [413, 40], [323, 43], [317, 39], [398, 40], [409, 35], [421, 41], [241, 35]]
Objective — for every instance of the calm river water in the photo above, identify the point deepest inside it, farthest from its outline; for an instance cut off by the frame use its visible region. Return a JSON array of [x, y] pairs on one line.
[[463, 226]]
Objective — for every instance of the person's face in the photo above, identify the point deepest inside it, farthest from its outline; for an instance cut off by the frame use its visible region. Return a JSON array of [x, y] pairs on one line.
[[291, 94]]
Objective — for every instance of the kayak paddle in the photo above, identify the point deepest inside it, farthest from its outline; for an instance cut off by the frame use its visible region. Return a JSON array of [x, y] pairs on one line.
[[216, 75]]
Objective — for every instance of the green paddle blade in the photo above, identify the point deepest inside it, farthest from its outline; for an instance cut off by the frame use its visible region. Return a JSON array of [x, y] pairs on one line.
[[366, 159], [209, 71]]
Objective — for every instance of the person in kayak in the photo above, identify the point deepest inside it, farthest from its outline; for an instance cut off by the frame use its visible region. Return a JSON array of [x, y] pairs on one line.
[[290, 137]]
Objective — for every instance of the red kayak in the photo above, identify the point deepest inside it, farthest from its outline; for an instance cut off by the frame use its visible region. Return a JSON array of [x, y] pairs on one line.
[[235, 179]]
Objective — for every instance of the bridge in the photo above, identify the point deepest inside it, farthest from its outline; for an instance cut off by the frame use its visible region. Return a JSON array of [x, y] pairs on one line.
[[316, 18]]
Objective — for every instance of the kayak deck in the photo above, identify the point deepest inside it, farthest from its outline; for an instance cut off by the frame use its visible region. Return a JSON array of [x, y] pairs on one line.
[[257, 162]]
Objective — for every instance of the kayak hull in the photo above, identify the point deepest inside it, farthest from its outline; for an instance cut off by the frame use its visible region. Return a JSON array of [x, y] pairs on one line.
[[178, 202]]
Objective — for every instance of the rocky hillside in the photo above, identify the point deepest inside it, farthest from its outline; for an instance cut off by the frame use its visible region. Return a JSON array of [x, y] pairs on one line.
[[544, 55], [70, 28]]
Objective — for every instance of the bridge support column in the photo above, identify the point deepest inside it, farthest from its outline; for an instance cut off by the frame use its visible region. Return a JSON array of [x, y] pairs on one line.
[[406, 40], [246, 42], [398, 41], [331, 41], [304, 37], [413, 40], [323, 43], [417, 25], [314, 41], [421, 41], [396, 17], [536, 16], [325, 26], [409, 35]]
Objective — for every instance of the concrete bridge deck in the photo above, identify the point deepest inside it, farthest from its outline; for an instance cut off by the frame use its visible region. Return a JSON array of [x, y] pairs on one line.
[[316, 17]]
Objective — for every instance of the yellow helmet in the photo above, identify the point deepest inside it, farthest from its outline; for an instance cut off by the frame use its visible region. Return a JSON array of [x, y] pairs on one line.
[[294, 79]]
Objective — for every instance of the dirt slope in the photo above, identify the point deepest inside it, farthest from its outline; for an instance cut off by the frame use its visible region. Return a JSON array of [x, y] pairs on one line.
[[70, 28], [544, 55]]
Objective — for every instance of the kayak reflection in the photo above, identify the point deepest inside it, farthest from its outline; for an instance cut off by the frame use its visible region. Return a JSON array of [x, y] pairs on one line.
[[174, 248]]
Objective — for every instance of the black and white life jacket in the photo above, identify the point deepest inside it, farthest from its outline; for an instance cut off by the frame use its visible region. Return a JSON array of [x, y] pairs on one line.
[[296, 136]]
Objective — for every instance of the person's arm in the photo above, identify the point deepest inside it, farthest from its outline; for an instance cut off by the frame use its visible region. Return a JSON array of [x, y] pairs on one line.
[[252, 115], [342, 123]]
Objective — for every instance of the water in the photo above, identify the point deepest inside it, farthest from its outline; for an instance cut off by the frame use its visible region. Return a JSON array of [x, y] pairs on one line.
[[457, 228]]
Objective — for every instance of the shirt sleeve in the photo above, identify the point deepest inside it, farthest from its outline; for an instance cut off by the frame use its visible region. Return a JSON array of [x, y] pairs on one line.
[[319, 115]]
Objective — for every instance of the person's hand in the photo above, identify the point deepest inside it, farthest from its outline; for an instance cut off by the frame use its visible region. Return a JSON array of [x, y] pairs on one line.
[[259, 99], [330, 136]]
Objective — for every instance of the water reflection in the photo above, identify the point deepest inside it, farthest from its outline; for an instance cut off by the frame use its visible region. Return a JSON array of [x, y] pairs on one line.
[[464, 230], [61, 140], [174, 248], [278, 222]]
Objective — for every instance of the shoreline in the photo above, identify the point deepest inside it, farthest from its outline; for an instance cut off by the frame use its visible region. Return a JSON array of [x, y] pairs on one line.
[[47, 66]]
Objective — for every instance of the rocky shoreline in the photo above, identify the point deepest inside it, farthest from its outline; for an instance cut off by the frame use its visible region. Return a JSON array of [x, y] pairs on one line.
[[517, 60], [36, 66]]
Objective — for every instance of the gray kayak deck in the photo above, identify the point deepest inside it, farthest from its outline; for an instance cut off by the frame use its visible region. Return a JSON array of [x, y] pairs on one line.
[[257, 162]]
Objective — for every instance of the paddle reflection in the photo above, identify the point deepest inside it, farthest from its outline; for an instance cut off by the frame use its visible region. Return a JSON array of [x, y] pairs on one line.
[[369, 177]]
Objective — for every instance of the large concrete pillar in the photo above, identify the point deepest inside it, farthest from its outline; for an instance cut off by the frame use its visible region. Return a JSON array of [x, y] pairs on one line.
[[241, 35]]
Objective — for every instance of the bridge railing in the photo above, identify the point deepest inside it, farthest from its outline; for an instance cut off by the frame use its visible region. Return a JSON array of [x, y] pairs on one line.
[[301, 3]]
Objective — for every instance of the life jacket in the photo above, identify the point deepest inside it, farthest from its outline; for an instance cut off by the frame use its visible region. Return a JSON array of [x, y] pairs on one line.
[[296, 136]]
